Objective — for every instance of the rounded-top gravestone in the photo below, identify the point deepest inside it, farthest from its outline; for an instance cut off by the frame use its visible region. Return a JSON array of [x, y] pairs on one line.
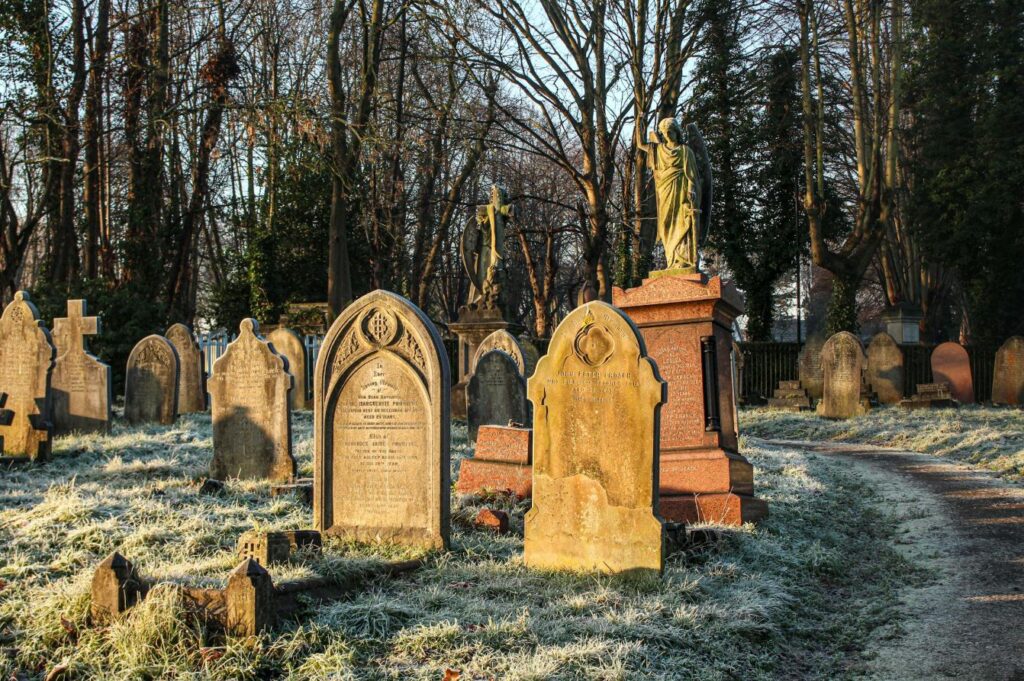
[[885, 368], [811, 378], [507, 343], [1008, 373], [151, 382], [381, 419], [496, 393], [842, 366], [951, 364], [191, 391], [288, 343]]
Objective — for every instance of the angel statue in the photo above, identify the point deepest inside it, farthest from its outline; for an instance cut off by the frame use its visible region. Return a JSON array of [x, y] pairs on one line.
[[683, 185], [483, 241]]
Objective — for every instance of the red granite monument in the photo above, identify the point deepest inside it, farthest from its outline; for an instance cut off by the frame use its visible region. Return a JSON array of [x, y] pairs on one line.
[[686, 322]]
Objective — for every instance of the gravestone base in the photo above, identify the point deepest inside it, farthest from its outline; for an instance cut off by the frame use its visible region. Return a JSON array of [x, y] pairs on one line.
[[472, 328], [682, 317], [790, 396], [501, 461], [930, 396]]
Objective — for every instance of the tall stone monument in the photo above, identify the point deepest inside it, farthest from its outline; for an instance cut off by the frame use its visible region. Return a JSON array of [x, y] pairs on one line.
[[686, 322], [885, 368], [1008, 373], [26, 366], [381, 425], [809, 366], [842, 365], [496, 393], [482, 250], [252, 424], [191, 383], [151, 382], [596, 397], [951, 364], [289, 344], [82, 389]]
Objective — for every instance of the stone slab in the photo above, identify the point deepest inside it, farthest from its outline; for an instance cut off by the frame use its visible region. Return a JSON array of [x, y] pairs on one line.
[[505, 444], [721, 509], [696, 472], [952, 365], [381, 422], [476, 476], [596, 397], [252, 427]]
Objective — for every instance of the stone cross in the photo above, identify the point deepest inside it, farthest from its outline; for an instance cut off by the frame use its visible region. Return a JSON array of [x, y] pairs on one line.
[[70, 332]]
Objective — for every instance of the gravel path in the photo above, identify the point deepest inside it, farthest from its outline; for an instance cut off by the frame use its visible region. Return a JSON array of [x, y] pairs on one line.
[[967, 525]]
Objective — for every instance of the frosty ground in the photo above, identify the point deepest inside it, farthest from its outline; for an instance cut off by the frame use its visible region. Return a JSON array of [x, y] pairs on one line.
[[809, 593]]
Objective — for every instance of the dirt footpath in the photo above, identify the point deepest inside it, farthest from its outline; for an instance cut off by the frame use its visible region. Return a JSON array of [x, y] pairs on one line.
[[969, 526]]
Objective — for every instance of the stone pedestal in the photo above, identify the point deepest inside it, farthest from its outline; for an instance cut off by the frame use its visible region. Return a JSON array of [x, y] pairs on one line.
[[472, 328], [502, 461], [686, 322], [790, 396], [930, 395]]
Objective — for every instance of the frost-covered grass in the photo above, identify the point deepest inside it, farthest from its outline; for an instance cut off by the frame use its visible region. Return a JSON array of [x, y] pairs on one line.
[[796, 597], [989, 437]]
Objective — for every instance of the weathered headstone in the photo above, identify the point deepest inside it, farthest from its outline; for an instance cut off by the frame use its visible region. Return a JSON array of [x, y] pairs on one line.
[[596, 398], [151, 382], [381, 418], [1008, 374], [289, 344], [810, 367], [506, 342], [885, 368], [496, 393], [26, 366], [191, 388], [81, 384], [952, 365], [252, 426], [842, 364], [531, 355]]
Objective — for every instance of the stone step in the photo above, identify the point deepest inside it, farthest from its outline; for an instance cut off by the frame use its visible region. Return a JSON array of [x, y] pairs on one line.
[[789, 385]]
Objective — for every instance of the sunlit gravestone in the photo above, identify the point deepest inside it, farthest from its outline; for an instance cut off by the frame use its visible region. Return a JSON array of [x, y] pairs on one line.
[[1008, 373], [596, 399], [842, 364], [191, 388], [151, 382], [26, 366], [381, 425], [951, 364], [249, 390], [289, 344], [81, 383]]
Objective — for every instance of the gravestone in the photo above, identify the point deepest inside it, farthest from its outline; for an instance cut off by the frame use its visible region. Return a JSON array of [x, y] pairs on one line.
[[930, 395], [81, 384], [26, 366], [502, 340], [191, 388], [1008, 374], [531, 355], [885, 368], [252, 426], [842, 365], [151, 382], [810, 367], [288, 343], [951, 364], [496, 393], [381, 418], [500, 462], [596, 398]]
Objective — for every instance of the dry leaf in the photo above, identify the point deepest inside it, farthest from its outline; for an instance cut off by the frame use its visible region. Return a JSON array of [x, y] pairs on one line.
[[211, 654], [69, 627], [451, 674], [57, 672]]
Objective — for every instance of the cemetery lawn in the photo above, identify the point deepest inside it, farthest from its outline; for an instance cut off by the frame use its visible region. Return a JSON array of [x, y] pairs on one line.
[[802, 595], [989, 437]]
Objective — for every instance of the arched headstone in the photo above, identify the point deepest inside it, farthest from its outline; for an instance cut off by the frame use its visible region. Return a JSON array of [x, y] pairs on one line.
[[289, 344], [596, 398], [191, 391], [842, 366], [496, 393], [252, 426], [381, 417], [26, 366], [151, 382], [1008, 373], [952, 365], [809, 361], [885, 368], [506, 342]]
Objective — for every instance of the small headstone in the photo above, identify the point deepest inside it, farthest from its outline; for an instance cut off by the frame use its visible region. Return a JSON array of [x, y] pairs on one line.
[[381, 419], [506, 342], [929, 395], [952, 365], [249, 599], [288, 343], [191, 388], [500, 462], [1008, 374], [496, 393], [842, 363], [81, 383], [249, 403], [596, 397], [885, 368], [115, 588], [151, 382], [810, 367], [26, 366], [277, 547]]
